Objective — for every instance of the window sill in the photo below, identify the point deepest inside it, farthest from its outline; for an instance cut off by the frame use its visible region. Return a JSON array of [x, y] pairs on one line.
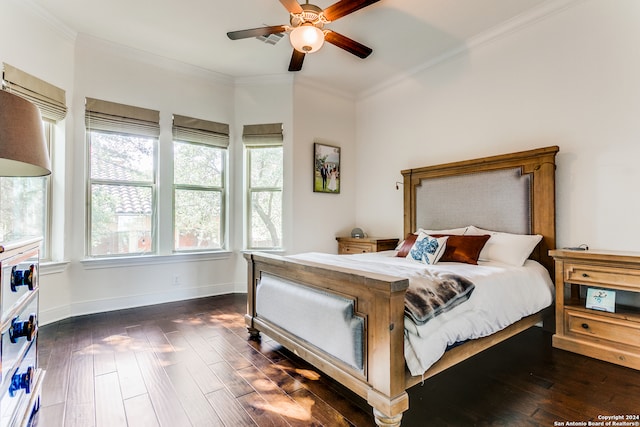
[[52, 267], [280, 252], [117, 262]]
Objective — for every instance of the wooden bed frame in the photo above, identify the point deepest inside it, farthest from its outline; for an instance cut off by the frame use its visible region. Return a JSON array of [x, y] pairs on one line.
[[380, 299]]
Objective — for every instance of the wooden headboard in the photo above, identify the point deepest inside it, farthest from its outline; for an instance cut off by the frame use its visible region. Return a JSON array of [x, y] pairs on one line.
[[511, 192]]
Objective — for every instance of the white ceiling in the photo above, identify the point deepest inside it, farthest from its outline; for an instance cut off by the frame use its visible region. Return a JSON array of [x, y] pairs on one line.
[[404, 34]]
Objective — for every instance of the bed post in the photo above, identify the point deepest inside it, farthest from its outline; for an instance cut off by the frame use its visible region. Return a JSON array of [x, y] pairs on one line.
[[254, 334], [386, 356], [409, 204]]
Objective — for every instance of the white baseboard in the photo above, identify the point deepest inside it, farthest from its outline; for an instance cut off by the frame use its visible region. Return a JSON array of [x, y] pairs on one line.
[[81, 308], [53, 314]]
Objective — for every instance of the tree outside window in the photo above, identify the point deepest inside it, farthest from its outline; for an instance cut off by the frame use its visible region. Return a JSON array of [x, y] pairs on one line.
[[199, 175], [25, 206], [265, 197], [122, 194]]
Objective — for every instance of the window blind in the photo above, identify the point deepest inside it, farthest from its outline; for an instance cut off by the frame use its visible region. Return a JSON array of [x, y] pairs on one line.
[[114, 117], [263, 134], [190, 129], [50, 99]]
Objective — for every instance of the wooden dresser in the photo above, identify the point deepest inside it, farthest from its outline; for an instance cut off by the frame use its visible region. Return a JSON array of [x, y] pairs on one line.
[[360, 245], [613, 337], [20, 377]]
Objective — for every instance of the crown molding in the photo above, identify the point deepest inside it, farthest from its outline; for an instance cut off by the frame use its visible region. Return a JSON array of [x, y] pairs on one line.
[[506, 28], [52, 22], [137, 55], [323, 87], [265, 79]]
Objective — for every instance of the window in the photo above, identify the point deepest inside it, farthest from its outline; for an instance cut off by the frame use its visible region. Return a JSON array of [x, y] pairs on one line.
[[199, 178], [122, 148], [121, 193], [264, 163], [24, 206], [25, 203]]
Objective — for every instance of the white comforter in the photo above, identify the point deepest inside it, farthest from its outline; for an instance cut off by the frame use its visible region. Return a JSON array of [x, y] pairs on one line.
[[503, 295]]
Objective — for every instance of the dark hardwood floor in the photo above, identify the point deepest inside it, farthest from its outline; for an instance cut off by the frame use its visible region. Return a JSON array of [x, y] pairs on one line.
[[190, 364]]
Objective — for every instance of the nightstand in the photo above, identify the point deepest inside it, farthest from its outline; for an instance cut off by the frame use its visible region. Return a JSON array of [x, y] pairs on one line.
[[613, 337], [361, 245]]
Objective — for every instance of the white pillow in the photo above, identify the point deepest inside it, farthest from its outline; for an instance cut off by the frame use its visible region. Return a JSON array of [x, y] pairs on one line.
[[456, 231], [427, 249], [512, 249]]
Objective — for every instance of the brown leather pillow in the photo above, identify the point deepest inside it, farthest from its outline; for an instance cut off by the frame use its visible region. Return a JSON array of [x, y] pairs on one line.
[[464, 249], [407, 245]]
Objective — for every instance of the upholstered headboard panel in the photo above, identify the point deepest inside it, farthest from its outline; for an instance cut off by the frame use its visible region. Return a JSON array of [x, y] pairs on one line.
[[511, 192], [495, 200]]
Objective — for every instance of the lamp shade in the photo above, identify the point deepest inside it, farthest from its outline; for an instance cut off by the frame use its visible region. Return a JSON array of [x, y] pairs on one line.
[[306, 38], [23, 148]]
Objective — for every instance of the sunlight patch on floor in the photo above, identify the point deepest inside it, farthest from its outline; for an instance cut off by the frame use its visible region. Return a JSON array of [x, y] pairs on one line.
[[286, 407], [190, 321], [228, 320]]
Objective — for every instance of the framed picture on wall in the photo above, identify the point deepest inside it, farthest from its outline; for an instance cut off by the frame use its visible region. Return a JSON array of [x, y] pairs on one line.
[[326, 168]]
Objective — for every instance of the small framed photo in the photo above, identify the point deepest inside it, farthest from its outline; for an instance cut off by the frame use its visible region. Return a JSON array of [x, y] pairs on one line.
[[601, 299], [326, 168]]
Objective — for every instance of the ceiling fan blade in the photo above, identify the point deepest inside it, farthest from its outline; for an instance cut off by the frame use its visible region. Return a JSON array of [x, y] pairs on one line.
[[256, 32], [347, 44], [345, 7], [292, 6], [297, 58]]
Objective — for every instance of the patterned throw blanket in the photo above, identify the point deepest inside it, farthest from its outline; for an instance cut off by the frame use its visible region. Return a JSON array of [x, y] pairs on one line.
[[429, 294], [425, 299]]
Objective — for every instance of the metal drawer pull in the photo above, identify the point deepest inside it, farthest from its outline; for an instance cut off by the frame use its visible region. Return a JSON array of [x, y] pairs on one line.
[[585, 275], [22, 278], [21, 381], [585, 326], [22, 329]]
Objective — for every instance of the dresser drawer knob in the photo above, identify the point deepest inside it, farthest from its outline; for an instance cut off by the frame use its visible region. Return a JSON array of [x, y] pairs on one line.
[[21, 381], [585, 326], [25, 328], [22, 278]]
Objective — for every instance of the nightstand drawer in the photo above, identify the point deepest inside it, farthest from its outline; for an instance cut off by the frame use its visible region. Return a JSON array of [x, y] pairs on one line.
[[363, 245], [353, 248], [620, 278], [595, 325]]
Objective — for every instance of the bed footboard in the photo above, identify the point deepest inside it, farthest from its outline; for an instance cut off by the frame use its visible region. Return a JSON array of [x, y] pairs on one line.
[[375, 298]]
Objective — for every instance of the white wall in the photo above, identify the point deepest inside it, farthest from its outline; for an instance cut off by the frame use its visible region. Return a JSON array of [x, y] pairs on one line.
[[262, 101], [87, 67], [322, 116], [125, 76], [311, 220], [46, 50], [570, 80]]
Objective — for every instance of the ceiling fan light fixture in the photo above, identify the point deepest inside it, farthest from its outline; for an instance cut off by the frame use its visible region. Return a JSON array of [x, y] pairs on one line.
[[306, 33], [306, 38]]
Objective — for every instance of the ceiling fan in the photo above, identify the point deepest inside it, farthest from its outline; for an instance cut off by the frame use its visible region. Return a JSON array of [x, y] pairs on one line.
[[306, 32]]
